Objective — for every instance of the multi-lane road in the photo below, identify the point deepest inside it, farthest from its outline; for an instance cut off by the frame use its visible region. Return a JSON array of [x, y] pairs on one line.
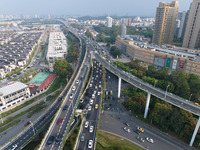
[[91, 105]]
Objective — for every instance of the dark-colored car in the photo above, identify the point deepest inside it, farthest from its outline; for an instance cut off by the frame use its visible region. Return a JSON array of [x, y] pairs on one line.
[[65, 107], [58, 139], [50, 140], [126, 123], [42, 119], [137, 131], [60, 98]]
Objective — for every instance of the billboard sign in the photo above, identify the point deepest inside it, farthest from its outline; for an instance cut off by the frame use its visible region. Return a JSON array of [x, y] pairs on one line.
[[181, 64], [159, 61], [174, 64], [168, 63]]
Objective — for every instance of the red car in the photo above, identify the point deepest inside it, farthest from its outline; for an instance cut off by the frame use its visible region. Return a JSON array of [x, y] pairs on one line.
[[60, 121], [27, 123]]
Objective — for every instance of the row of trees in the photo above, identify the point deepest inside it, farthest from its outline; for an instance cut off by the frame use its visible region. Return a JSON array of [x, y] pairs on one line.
[[167, 117], [72, 54], [178, 82]]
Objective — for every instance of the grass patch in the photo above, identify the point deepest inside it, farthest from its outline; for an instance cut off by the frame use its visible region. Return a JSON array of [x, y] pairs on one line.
[[106, 141], [53, 96], [36, 108], [9, 126], [56, 85]]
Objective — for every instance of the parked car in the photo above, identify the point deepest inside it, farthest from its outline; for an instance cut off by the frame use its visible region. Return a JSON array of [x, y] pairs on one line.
[[127, 129], [150, 140]]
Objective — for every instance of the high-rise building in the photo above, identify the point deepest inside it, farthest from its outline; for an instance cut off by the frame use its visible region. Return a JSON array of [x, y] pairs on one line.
[[192, 31], [183, 19], [109, 21], [129, 21], [123, 30], [165, 23]]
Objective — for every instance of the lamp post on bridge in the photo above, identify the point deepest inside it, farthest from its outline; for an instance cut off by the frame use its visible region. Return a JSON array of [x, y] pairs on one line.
[[166, 90]]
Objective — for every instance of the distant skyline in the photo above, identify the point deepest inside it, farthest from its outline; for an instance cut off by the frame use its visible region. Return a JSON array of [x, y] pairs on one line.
[[86, 7]]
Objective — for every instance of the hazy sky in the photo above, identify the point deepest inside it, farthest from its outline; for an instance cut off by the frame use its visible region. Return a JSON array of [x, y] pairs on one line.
[[85, 7]]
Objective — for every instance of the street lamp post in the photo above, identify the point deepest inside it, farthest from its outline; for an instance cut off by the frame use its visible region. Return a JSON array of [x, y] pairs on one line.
[[190, 97], [33, 127], [1, 118], [166, 90]]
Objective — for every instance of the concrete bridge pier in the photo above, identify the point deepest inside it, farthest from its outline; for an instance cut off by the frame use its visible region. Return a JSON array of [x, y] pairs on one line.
[[195, 132], [147, 105], [119, 86]]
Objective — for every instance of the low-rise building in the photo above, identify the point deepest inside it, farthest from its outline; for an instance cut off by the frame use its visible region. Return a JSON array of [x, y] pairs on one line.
[[12, 94], [174, 59]]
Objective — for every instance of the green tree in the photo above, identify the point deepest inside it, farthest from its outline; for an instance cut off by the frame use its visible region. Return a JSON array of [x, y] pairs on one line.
[[62, 68], [88, 34], [179, 80], [115, 52], [194, 83]]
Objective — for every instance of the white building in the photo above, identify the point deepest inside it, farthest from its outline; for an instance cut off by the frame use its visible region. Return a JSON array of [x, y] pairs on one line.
[[57, 48], [123, 30], [109, 22], [12, 94]]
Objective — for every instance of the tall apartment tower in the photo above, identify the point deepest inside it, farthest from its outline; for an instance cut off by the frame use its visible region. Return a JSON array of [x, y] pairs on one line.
[[123, 30], [183, 19], [192, 31], [165, 22], [109, 22]]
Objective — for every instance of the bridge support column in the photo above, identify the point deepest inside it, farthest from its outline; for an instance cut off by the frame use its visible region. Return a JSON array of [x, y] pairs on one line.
[[119, 86], [195, 132], [147, 105]]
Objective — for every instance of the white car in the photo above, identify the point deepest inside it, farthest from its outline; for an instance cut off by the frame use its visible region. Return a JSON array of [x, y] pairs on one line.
[[98, 93], [86, 124], [90, 144], [71, 95], [93, 96], [95, 91], [127, 129], [89, 108], [82, 100], [73, 88], [77, 81], [91, 129], [91, 101], [90, 85], [150, 140]]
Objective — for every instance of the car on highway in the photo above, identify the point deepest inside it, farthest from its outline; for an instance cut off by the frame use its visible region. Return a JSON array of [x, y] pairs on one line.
[[98, 93], [65, 107], [29, 122], [86, 124], [127, 129], [60, 121], [150, 140], [13, 147], [57, 139], [82, 100], [90, 144], [77, 81], [93, 96], [91, 129], [96, 106], [71, 95], [140, 139], [73, 88], [99, 85], [83, 137], [95, 92], [140, 129], [91, 101], [50, 140], [89, 108]]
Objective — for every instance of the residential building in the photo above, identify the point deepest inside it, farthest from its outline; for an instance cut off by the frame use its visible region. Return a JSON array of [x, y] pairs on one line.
[[109, 21], [13, 94], [165, 23], [172, 58], [123, 30], [129, 21], [192, 31], [183, 20]]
